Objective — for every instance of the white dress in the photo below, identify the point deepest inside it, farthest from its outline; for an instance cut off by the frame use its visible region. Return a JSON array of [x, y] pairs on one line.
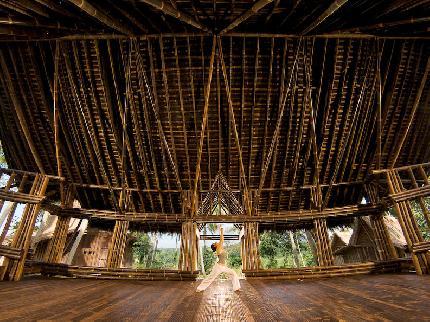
[[220, 267]]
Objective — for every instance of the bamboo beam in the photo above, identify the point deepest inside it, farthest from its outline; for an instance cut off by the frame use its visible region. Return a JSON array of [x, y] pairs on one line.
[[412, 114], [99, 15], [20, 114], [336, 5], [383, 25], [203, 128], [274, 142], [158, 119], [57, 117], [168, 9], [247, 200], [257, 6], [268, 217]]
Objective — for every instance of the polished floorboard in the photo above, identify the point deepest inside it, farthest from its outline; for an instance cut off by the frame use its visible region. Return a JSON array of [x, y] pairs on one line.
[[395, 297]]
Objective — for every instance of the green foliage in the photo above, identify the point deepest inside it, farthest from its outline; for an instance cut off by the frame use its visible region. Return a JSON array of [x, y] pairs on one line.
[[276, 250], [420, 218], [145, 255], [208, 258], [3, 163], [142, 249], [234, 258], [165, 258]]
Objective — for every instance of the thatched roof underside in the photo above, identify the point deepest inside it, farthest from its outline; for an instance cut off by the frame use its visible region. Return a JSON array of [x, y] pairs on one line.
[[163, 78]]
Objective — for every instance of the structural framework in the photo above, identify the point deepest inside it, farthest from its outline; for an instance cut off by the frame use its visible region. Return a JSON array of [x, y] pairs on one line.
[[285, 114]]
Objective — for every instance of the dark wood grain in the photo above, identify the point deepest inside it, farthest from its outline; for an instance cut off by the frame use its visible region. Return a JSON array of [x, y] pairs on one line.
[[395, 297]]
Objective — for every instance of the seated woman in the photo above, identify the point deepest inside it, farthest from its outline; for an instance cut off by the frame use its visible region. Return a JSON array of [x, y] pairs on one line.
[[220, 267]]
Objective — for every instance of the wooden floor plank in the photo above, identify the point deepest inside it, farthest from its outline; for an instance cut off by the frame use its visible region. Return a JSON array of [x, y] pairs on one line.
[[395, 297]]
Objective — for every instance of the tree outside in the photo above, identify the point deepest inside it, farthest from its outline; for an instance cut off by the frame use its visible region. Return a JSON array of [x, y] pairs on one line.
[[147, 255], [285, 250]]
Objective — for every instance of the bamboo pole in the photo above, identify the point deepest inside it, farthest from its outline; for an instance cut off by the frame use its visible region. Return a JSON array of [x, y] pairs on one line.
[[168, 9], [274, 142], [22, 238], [412, 114], [99, 15], [337, 4], [203, 129], [20, 114], [247, 200], [257, 6]]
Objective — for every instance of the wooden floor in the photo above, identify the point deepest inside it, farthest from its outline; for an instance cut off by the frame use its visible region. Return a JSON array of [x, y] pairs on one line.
[[359, 298]]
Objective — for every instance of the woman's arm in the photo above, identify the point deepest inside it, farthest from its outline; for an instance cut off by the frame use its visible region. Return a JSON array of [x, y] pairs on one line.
[[221, 236]]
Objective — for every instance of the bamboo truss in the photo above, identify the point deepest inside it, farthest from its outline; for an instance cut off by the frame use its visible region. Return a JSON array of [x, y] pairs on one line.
[[144, 125]]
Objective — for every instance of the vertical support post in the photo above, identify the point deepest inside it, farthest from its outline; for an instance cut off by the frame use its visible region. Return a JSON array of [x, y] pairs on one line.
[[117, 244], [188, 256], [249, 247], [55, 249], [7, 187], [54, 252], [408, 224], [324, 253], [385, 249], [22, 238]]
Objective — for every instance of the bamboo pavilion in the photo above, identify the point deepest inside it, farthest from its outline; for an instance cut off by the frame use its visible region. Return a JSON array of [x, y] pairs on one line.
[[153, 113]]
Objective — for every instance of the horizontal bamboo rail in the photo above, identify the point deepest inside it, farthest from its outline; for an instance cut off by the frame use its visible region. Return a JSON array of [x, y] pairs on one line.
[[207, 34], [20, 197], [284, 216], [327, 271], [421, 247], [403, 168], [117, 273], [30, 174], [11, 252]]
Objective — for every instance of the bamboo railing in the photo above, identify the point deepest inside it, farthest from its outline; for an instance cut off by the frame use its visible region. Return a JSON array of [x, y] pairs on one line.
[[327, 271]]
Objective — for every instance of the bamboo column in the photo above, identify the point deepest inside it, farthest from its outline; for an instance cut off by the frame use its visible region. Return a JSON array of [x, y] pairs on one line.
[[384, 246], [408, 224], [55, 249], [12, 209], [189, 247], [22, 238], [249, 247], [324, 253], [117, 244], [7, 187]]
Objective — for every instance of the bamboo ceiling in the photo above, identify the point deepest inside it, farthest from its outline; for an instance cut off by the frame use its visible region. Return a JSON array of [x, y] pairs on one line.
[[131, 109]]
